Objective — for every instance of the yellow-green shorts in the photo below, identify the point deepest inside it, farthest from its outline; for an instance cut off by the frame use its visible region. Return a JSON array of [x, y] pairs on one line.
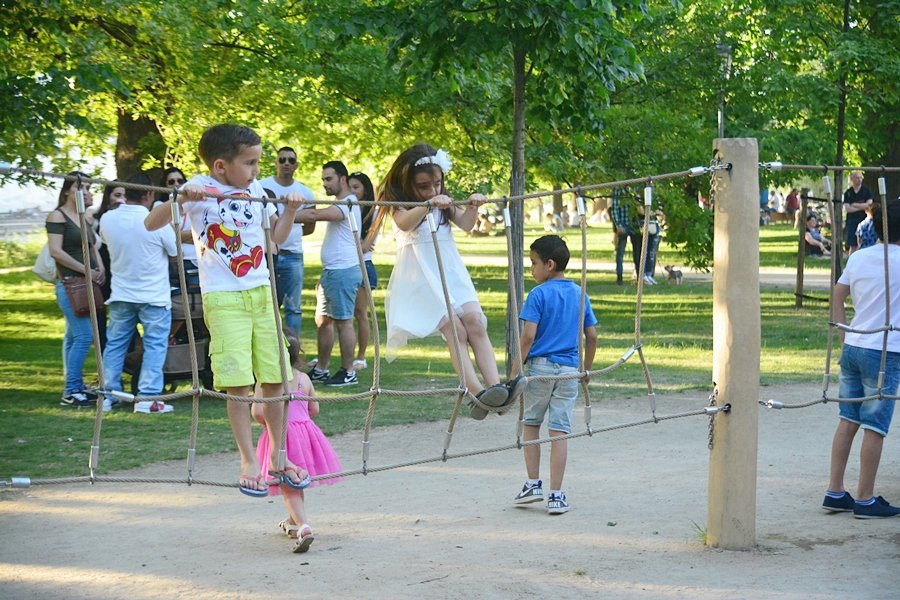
[[243, 340]]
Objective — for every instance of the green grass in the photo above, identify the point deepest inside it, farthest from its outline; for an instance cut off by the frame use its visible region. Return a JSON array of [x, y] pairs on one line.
[[41, 439]]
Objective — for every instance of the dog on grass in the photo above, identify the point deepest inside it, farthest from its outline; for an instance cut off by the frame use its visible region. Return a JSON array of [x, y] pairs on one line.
[[675, 275]]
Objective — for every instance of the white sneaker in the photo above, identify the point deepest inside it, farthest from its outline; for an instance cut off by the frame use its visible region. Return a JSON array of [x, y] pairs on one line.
[[556, 504], [107, 404], [359, 364]]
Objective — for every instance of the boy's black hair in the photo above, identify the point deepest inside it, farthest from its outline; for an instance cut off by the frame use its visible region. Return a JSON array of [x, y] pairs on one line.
[[225, 142], [338, 167], [135, 195], [286, 149], [893, 217], [552, 247]]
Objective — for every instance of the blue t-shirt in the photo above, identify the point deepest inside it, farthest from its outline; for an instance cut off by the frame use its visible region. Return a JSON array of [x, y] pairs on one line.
[[553, 305]]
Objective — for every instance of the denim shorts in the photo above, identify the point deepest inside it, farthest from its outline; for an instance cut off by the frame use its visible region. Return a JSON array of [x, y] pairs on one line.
[[336, 294], [243, 339], [859, 377], [556, 397]]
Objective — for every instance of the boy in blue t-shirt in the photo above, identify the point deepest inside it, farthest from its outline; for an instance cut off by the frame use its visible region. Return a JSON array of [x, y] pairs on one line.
[[549, 343]]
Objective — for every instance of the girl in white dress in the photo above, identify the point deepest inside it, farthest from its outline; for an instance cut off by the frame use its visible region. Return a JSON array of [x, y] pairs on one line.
[[415, 304]]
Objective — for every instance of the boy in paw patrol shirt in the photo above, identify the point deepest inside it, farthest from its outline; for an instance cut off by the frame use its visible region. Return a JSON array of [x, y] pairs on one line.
[[234, 281]]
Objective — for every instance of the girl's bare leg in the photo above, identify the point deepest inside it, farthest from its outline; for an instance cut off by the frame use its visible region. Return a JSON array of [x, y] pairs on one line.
[[473, 321], [294, 500], [463, 363]]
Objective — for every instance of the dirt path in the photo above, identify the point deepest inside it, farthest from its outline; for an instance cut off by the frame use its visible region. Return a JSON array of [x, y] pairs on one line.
[[449, 530]]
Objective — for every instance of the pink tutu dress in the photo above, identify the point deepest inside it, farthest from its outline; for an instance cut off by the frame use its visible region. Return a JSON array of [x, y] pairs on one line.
[[306, 445]]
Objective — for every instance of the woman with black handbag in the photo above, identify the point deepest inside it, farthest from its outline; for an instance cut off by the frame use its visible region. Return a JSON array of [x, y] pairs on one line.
[[64, 241]]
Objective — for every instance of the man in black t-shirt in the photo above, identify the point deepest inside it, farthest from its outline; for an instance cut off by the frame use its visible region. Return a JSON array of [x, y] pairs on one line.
[[856, 199]]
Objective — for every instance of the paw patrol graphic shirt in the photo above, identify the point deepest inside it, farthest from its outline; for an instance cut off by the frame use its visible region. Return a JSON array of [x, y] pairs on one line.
[[228, 235]]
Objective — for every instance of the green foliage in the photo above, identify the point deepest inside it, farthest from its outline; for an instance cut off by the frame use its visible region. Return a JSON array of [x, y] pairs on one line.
[[615, 88]]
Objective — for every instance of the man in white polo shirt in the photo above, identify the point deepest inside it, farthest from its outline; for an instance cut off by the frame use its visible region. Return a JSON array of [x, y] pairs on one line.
[[140, 289], [341, 277], [289, 264]]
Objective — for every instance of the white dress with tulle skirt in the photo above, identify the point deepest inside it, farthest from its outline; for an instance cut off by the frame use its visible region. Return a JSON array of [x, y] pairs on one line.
[[415, 304]]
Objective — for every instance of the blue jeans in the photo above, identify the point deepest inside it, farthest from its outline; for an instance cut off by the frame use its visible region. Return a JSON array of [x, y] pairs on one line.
[[652, 248], [859, 378], [288, 284], [76, 342], [621, 240], [123, 318]]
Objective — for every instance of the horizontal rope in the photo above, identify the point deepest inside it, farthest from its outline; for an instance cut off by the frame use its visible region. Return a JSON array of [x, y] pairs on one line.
[[777, 166], [648, 180], [366, 470], [775, 404]]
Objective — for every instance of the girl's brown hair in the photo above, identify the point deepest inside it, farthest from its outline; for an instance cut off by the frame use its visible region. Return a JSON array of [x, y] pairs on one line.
[[399, 183]]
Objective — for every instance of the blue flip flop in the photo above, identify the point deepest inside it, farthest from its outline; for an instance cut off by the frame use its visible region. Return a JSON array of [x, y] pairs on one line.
[[250, 491], [297, 485]]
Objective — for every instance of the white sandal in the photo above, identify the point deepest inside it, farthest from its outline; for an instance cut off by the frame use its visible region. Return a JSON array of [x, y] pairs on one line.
[[303, 541], [289, 528]]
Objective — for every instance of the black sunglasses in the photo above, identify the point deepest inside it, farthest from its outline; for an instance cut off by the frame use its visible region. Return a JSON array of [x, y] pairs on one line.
[[287, 159], [177, 181]]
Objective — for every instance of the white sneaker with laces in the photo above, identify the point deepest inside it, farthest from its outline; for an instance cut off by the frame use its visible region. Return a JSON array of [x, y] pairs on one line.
[[556, 504]]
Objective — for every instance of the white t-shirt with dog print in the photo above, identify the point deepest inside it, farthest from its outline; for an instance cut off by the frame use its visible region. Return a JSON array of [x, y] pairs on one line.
[[228, 235]]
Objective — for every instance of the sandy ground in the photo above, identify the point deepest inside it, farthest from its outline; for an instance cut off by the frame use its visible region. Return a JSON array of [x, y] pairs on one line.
[[449, 530]]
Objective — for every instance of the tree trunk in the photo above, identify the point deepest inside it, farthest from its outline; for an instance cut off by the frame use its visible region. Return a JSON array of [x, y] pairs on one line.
[[890, 158], [138, 139], [557, 200], [837, 246], [516, 209]]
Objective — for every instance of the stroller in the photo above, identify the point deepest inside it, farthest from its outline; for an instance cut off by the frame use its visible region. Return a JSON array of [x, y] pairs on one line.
[[177, 367]]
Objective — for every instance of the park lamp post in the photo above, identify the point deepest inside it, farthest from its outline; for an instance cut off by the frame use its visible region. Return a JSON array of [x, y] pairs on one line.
[[724, 52]]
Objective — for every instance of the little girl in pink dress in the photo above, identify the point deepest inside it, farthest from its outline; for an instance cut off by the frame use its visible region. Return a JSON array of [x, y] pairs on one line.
[[306, 446]]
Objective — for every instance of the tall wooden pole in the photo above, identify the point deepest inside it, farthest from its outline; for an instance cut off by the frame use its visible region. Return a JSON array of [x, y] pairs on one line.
[[731, 520], [516, 209]]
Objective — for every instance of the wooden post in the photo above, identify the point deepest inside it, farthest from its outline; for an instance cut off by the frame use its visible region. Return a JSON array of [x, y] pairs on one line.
[[736, 344]]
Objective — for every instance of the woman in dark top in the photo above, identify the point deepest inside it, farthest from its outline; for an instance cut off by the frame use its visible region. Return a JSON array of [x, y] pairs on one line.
[[64, 242]]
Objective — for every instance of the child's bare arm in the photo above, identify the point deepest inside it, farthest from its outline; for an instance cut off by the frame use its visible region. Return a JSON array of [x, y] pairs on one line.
[[590, 349], [526, 340], [281, 227], [161, 214], [465, 217], [307, 389]]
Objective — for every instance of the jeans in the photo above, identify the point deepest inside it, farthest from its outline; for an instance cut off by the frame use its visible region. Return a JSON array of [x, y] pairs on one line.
[[652, 247], [288, 284], [621, 240], [76, 342], [156, 321]]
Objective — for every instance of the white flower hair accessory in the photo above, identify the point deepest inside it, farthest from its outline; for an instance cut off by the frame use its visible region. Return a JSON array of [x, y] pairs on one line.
[[440, 158]]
